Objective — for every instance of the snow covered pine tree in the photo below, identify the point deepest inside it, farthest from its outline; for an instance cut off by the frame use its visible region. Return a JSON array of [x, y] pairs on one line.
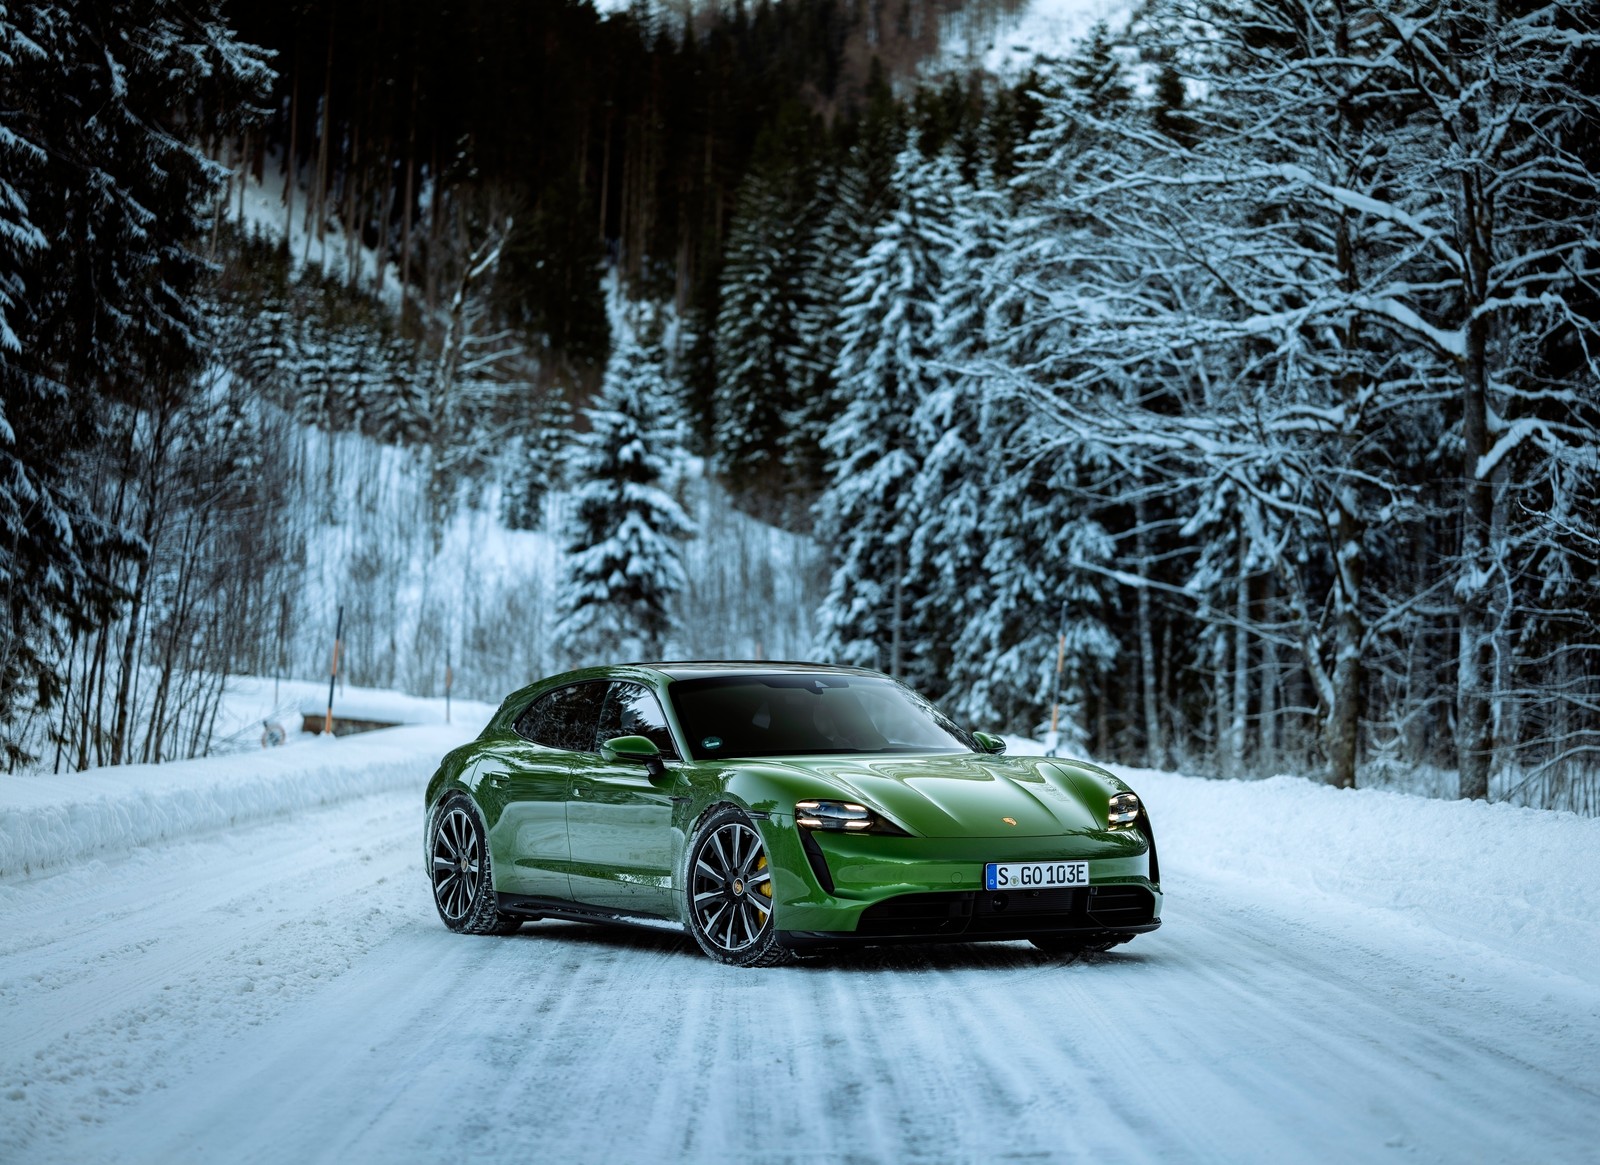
[[100, 188], [624, 559], [886, 369]]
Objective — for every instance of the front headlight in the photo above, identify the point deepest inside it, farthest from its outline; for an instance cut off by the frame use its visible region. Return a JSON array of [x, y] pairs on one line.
[[842, 817], [1124, 810]]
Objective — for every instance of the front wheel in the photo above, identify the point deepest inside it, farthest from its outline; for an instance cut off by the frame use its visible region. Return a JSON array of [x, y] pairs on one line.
[[729, 889], [459, 868]]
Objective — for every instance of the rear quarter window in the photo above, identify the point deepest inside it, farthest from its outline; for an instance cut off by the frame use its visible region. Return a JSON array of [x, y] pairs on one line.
[[565, 718]]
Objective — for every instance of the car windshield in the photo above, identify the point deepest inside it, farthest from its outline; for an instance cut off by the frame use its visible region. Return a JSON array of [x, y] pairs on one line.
[[809, 714]]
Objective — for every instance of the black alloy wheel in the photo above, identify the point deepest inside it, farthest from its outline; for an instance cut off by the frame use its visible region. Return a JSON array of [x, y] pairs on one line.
[[729, 887], [461, 873]]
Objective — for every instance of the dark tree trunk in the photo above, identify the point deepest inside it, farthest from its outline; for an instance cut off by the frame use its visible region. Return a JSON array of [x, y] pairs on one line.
[[1155, 751], [1343, 725], [1267, 735], [1474, 732]]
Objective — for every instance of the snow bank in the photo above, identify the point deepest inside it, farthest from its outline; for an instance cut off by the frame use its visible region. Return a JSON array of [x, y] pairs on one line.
[[53, 820], [393, 707], [1050, 28], [249, 700], [1525, 881]]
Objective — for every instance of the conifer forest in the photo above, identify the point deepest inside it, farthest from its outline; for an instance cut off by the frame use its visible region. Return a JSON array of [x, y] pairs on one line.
[[1223, 388]]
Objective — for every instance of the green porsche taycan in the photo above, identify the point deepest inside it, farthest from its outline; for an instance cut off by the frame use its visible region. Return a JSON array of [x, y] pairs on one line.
[[768, 808]]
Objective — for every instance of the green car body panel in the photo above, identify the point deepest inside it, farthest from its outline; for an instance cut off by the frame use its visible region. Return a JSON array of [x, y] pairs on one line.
[[610, 836]]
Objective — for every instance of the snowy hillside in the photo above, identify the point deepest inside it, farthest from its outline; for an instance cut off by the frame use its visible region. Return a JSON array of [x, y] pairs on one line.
[[485, 594], [1340, 976], [1008, 44]]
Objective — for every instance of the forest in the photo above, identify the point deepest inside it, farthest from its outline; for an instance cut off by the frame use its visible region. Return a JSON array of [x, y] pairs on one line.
[[1222, 392]]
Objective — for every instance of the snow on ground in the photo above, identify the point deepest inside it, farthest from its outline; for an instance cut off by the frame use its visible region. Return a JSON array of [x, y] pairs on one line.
[[1522, 881], [250, 701], [48, 820], [1341, 976], [1008, 44], [259, 209]]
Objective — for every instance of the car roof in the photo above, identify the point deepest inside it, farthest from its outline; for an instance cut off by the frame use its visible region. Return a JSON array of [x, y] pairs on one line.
[[693, 669]]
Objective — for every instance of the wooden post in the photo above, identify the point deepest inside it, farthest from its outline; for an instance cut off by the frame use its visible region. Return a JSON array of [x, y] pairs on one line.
[[281, 663], [333, 670]]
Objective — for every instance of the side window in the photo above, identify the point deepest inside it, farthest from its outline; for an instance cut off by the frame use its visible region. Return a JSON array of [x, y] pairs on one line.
[[633, 710], [565, 718]]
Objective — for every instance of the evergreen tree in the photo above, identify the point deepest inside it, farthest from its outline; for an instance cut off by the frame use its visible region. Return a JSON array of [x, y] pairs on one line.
[[888, 366], [843, 217], [1016, 537], [761, 364], [854, 194], [101, 183], [959, 426], [541, 468], [1040, 556], [624, 562]]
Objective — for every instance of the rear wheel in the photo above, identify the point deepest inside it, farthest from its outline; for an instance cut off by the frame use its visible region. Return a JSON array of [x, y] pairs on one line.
[[729, 888], [459, 868]]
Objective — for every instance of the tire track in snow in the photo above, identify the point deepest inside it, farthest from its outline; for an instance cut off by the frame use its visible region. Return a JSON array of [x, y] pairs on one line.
[[158, 959], [1251, 1028]]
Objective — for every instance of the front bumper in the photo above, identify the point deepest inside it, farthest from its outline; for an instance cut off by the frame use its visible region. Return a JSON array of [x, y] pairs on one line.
[[833, 887]]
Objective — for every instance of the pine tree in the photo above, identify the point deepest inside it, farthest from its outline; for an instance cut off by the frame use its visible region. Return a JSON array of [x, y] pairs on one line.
[[624, 562], [960, 429], [541, 467], [1039, 559], [854, 193], [887, 368], [843, 218], [760, 363], [100, 189]]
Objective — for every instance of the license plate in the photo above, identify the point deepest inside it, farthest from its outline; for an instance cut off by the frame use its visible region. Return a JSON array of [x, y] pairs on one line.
[[1034, 875]]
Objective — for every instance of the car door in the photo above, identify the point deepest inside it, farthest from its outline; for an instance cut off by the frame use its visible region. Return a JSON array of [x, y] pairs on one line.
[[619, 818], [531, 775]]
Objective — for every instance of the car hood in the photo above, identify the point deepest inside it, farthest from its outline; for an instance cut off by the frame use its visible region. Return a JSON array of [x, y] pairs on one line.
[[963, 795]]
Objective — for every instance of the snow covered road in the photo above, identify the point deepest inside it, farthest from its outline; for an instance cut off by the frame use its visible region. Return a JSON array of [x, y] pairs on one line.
[[283, 992]]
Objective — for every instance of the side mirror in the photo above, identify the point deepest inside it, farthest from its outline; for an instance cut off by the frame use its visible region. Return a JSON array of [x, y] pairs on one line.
[[989, 742], [636, 749]]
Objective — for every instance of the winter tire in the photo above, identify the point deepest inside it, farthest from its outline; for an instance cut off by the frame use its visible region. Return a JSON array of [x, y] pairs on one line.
[[460, 872], [728, 890]]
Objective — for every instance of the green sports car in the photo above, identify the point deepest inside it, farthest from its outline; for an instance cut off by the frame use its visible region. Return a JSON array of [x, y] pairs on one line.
[[768, 808]]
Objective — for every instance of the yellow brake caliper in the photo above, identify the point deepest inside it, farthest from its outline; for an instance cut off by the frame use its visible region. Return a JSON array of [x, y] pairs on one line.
[[766, 887]]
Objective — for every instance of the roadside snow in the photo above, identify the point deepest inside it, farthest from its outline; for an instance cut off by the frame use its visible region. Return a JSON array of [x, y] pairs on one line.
[[51, 820], [1523, 881], [394, 708], [282, 990], [249, 701]]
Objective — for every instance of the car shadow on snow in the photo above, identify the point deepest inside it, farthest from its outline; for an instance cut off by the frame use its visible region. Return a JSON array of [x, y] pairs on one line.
[[992, 956]]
